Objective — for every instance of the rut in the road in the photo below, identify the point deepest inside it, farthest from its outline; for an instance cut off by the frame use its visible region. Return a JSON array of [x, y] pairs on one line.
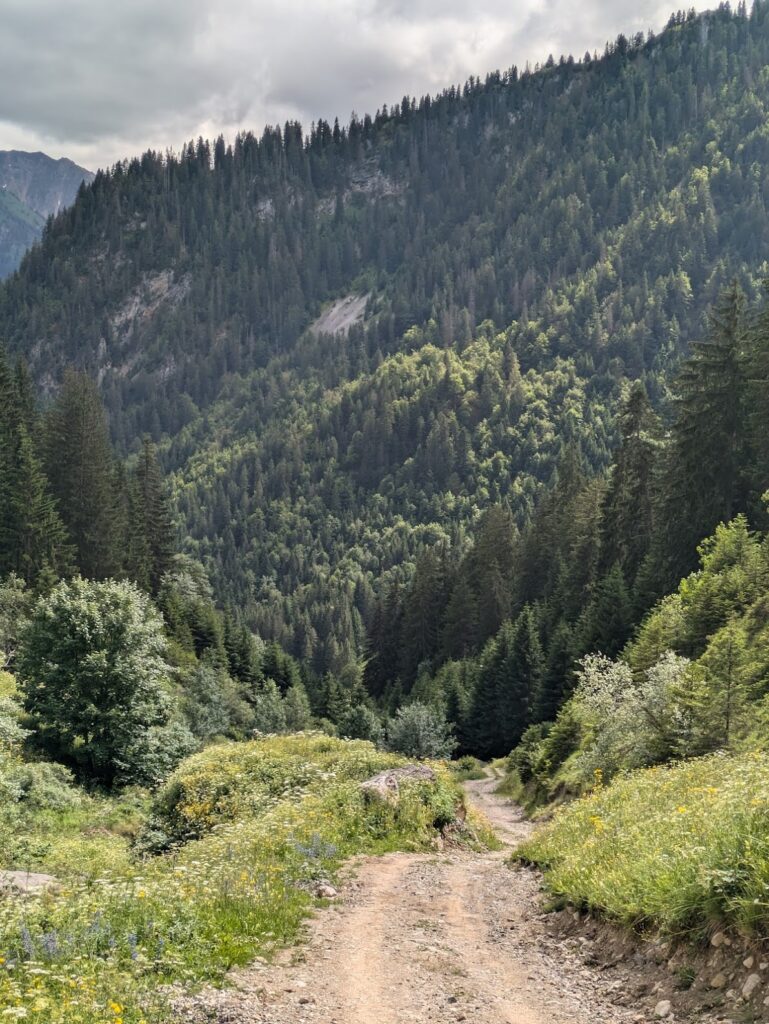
[[428, 939]]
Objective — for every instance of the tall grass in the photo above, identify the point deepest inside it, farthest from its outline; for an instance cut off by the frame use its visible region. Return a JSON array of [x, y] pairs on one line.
[[271, 816], [683, 848]]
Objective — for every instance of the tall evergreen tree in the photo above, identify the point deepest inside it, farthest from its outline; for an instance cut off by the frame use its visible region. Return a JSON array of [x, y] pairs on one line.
[[80, 467], [150, 525], [509, 677], [558, 673], [39, 541], [757, 405], [627, 521], [704, 478], [32, 536]]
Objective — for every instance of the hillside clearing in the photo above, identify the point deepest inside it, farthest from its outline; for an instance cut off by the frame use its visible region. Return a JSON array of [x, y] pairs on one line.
[[341, 315]]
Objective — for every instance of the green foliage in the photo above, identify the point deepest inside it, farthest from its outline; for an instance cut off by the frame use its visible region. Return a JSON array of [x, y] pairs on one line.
[[362, 723], [80, 467], [418, 730], [312, 472], [467, 769], [509, 675], [296, 706], [33, 540], [151, 540], [692, 681], [269, 709], [681, 848], [91, 666], [274, 816]]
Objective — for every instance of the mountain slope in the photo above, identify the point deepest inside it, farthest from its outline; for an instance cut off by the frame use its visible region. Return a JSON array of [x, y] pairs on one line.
[[32, 188], [526, 245]]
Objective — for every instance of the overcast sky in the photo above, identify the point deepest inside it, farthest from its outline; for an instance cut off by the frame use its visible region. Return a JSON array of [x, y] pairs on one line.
[[97, 80]]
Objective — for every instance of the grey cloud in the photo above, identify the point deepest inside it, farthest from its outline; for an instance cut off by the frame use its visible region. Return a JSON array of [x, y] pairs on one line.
[[97, 79]]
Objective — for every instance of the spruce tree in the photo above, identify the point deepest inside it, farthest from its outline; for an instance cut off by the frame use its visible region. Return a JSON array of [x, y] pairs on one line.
[[608, 619], [558, 674], [520, 678], [757, 404], [150, 525], [33, 539], [80, 467], [627, 522], [704, 479], [40, 540], [509, 677]]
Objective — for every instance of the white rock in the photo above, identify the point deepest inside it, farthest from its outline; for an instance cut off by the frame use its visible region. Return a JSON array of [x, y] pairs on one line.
[[25, 881], [663, 1008], [748, 962], [717, 939], [752, 982], [718, 981], [325, 891]]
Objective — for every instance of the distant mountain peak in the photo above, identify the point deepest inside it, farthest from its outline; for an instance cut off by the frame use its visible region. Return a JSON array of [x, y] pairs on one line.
[[32, 187]]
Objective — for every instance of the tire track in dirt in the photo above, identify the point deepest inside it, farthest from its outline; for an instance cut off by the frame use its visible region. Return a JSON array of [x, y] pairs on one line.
[[424, 939]]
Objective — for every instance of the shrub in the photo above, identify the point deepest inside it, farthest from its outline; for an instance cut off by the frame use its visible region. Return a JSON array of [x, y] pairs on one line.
[[468, 768], [361, 723], [269, 711], [153, 754], [420, 731]]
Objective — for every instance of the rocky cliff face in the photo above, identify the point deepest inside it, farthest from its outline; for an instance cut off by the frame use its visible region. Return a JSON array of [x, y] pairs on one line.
[[32, 187]]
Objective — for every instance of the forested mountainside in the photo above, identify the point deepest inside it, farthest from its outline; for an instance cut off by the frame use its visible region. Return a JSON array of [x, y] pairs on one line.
[[526, 245], [33, 187]]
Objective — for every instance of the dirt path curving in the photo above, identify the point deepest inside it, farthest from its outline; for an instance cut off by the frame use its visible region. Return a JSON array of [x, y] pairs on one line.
[[427, 939]]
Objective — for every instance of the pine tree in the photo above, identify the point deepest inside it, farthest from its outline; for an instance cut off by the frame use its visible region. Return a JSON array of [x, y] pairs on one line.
[[607, 622], [715, 696], [40, 541], [80, 467], [32, 537], [296, 706], [509, 677], [150, 526], [460, 622], [757, 403], [422, 614], [559, 673], [521, 677], [627, 522], [490, 568], [704, 479]]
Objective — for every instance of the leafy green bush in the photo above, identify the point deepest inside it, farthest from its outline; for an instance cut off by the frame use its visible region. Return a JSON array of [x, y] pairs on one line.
[[92, 670], [421, 731], [361, 723], [39, 784]]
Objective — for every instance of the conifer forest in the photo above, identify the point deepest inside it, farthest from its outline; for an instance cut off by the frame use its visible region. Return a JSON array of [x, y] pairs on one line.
[[442, 433]]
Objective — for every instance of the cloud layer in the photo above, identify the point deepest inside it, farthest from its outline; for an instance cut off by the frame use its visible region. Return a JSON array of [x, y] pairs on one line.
[[98, 81]]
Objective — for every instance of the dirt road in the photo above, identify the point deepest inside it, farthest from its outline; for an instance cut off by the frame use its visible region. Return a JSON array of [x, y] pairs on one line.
[[428, 939]]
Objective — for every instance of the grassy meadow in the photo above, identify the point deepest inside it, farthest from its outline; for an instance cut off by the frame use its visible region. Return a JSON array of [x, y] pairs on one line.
[[216, 870], [682, 848]]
